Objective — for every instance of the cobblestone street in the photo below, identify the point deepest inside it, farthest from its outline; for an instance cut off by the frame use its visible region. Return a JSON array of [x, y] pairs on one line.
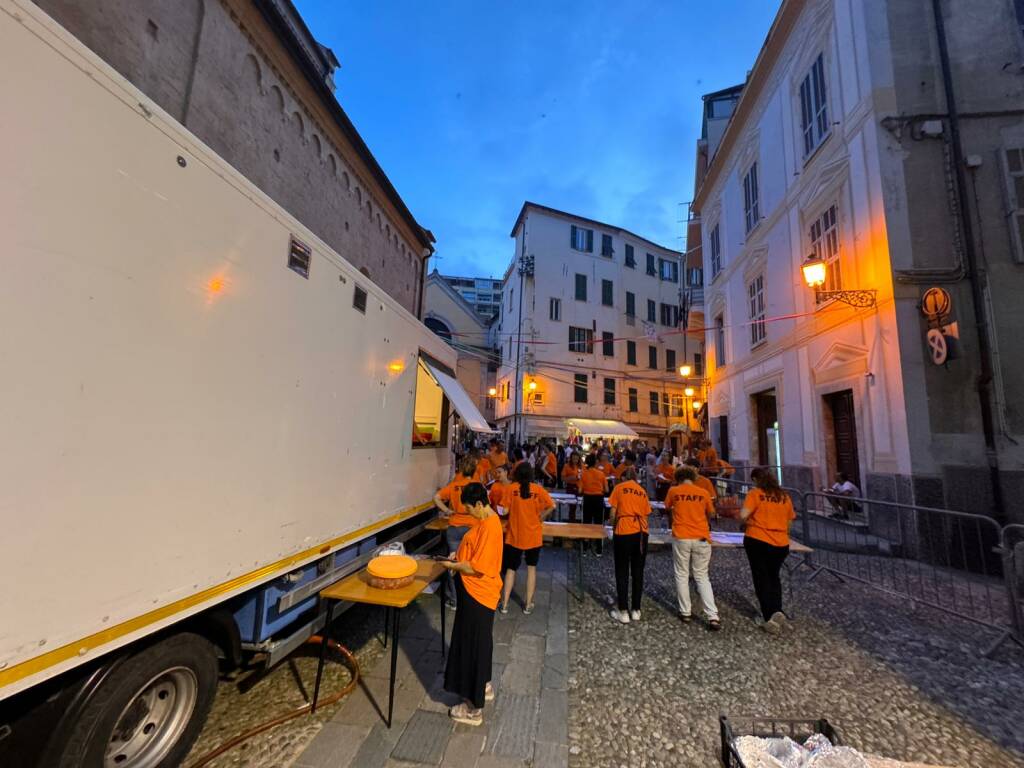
[[901, 682]]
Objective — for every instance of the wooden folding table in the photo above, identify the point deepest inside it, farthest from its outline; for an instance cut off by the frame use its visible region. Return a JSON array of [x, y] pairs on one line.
[[356, 589]]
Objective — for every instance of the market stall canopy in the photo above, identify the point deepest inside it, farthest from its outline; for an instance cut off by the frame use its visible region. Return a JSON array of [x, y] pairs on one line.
[[545, 428], [461, 401], [601, 428]]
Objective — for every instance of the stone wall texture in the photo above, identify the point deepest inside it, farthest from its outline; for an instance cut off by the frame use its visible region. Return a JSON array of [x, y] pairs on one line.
[[256, 118]]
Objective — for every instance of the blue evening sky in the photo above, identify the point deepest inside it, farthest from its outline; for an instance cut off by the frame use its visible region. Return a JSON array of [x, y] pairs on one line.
[[591, 107]]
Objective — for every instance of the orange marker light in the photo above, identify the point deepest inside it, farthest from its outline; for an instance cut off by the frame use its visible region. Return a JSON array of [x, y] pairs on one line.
[[216, 285], [396, 366]]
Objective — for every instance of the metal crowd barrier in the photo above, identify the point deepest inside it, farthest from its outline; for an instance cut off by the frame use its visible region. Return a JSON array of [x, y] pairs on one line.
[[960, 563]]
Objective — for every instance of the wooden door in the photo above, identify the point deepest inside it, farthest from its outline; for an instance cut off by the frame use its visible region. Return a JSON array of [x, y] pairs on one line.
[[767, 415], [844, 429]]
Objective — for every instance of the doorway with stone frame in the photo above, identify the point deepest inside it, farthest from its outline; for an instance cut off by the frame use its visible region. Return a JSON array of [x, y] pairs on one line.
[[839, 422]]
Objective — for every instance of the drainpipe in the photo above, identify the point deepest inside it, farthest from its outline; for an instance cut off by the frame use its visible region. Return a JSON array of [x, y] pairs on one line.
[[196, 41], [519, 335], [974, 275]]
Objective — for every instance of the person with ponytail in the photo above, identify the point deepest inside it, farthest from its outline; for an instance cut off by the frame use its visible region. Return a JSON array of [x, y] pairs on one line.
[[528, 504], [767, 513]]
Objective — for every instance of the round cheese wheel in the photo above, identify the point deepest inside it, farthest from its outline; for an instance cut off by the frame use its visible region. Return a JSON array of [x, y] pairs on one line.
[[392, 567]]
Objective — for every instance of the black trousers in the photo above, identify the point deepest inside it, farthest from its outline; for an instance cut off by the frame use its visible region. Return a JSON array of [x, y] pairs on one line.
[[593, 508], [765, 563], [472, 648], [630, 555]]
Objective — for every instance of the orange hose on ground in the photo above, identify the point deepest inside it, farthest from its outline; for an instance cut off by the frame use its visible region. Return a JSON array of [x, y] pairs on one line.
[[266, 725]]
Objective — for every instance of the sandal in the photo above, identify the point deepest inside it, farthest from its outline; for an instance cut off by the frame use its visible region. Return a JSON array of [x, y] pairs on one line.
[[460, 713], [714, 625]]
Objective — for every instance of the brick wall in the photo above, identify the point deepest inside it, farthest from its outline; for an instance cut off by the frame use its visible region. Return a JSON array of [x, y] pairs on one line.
[[251, 106]]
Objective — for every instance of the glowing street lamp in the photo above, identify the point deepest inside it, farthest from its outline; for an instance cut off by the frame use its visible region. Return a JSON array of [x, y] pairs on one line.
[[688, 391], [815, 273], [696, 405], [492, 392], [684, 370], [532, 386]]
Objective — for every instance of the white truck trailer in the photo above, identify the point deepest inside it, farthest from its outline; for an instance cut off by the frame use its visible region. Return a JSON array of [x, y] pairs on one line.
[[207, 415]]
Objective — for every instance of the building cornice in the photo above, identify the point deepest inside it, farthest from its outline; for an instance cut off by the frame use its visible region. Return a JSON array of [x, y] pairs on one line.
[[760, 76], [527, 206]]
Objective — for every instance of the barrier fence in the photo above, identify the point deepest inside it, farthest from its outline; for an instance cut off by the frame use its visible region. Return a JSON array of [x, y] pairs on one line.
[[960, 563]]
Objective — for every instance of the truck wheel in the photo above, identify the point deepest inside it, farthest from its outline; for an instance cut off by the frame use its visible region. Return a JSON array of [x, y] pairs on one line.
[[149, 711]]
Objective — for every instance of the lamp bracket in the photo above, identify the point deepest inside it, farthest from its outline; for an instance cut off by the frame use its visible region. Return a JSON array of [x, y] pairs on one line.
[[861, 299]]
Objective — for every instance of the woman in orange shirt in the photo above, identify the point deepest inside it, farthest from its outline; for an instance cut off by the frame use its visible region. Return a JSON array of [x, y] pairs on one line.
[[499, 488], [767, 512], [497, 457], [594, 486], [689, 508], [664, 474], [549, 468], [528, 504], [476, 569], [630, 509], [572, 473], [448, 501]]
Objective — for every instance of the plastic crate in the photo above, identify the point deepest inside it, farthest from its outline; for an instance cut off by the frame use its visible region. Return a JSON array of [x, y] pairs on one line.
[[799, 730]]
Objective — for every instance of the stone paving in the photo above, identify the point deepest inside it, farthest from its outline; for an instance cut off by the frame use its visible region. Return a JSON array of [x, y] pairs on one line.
[[902, 682], [526, 725]]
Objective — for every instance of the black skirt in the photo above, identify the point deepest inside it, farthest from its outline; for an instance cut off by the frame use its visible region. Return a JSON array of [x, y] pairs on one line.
[[471, 649]]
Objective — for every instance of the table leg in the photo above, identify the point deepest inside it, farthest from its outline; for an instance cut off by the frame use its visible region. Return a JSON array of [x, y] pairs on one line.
[[325, 637], [387, 621], [444, 653], [394, 663], [579, 570]]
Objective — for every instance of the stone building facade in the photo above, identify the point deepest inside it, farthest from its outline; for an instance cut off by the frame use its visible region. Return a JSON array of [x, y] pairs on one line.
[[248, 78], [842, 146]]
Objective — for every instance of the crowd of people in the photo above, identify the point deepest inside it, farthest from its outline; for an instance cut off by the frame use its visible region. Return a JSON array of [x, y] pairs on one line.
[[492, 486]]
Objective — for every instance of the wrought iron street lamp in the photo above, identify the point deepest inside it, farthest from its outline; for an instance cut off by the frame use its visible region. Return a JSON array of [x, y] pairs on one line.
[[815, 271], [685, 370]]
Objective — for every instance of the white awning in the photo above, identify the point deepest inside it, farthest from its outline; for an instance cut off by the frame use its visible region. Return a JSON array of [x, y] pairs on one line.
[[601, 428], [461, 401], [545, 428]]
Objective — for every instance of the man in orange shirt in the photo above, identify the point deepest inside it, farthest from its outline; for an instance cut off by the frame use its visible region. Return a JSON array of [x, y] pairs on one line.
[[593, 485], [689, 507], [628, 462], [448, 501], [630, 509], [483, 468]]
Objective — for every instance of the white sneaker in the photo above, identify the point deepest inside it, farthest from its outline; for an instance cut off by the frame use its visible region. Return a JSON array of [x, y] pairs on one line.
[[620, 616], [634, 615]]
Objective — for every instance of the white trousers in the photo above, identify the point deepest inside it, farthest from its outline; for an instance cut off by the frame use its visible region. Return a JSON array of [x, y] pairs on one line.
[[693, 556]]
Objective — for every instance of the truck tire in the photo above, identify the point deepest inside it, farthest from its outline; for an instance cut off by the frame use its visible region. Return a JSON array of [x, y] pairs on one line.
[[148, 712]]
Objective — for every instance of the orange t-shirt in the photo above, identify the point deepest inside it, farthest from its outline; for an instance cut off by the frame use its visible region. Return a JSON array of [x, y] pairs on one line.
[[483, 471], [551, 465], [620, 469], [631, 507], [498, 493], [481, 548], [606, 467], [451, 495], [689, 506], [592, 481], [769, 520], [525, 530], [667, 470], [707, 485], [498, 459], [571, 475], [707, 456]]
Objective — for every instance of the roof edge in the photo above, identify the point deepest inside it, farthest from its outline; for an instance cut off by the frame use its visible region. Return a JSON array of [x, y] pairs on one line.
[[614, 227]]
